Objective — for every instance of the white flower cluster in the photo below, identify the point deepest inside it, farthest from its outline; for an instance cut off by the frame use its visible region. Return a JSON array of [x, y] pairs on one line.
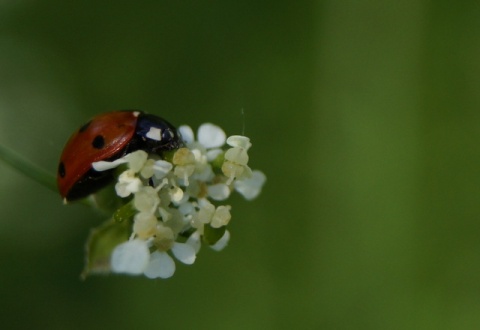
[[173, 200]]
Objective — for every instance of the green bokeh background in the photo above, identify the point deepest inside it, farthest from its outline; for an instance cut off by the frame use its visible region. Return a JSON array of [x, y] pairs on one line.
[[363, 114]]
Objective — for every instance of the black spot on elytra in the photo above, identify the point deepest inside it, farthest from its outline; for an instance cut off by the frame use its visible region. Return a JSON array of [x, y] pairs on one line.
[[98, 142], [84, 127], [61, 170]]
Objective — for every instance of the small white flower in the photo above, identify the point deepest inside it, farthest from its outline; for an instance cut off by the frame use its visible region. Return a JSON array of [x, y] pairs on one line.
[[145, 225], [203, 170], [251, 187], [127, 184], [209, 135], [216, 217], [162, 265], [206, 149], [221, 217], [130, 257], [233, 170], [146, 199], [204, 214], [236, 159], [184, 161]]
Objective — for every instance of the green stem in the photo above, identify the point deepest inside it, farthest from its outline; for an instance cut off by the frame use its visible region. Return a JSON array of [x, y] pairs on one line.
[[27, 168], [34, 172]]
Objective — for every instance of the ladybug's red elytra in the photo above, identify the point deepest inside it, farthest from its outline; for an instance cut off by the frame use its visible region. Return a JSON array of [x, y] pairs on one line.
[[107, 137]]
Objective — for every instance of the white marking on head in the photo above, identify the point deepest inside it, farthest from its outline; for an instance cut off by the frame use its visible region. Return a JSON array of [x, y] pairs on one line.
[[136, 113], [155, 134]]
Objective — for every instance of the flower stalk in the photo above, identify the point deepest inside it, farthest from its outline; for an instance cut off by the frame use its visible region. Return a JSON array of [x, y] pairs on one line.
[[28, 168]]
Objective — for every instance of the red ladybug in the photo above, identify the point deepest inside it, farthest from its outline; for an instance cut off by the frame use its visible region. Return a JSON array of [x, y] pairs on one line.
[[107, 137]]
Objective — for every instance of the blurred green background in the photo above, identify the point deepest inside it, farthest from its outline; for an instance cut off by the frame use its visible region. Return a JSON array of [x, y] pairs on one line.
[[363, 114]]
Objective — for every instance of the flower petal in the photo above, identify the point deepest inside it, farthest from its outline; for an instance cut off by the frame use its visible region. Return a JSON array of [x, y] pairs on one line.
[[219, 191], [251, 187], [211, 136], [161, 168], [213, 153], [176, 193], [237, 155], [130, 257], [239, 141], [194, 241], [221, 217], [222, 242], [144, 224], [184, 253], [186, 208], [187, 133], [136, 160], [160, 265], [104, 166], [146, 199], [127, 184]]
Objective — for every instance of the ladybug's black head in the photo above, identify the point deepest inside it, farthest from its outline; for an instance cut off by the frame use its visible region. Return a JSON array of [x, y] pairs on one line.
[[156, 134]]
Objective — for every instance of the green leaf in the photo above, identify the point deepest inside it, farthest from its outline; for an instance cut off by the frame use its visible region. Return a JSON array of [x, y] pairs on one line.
[[100, 244], [106, 199], [125, 213], [212, 235]]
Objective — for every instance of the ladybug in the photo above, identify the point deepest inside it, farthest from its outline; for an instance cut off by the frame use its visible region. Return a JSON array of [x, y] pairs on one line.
[[107, 137]]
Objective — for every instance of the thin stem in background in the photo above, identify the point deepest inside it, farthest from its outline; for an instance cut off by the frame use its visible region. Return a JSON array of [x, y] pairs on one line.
[[29, 169]]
